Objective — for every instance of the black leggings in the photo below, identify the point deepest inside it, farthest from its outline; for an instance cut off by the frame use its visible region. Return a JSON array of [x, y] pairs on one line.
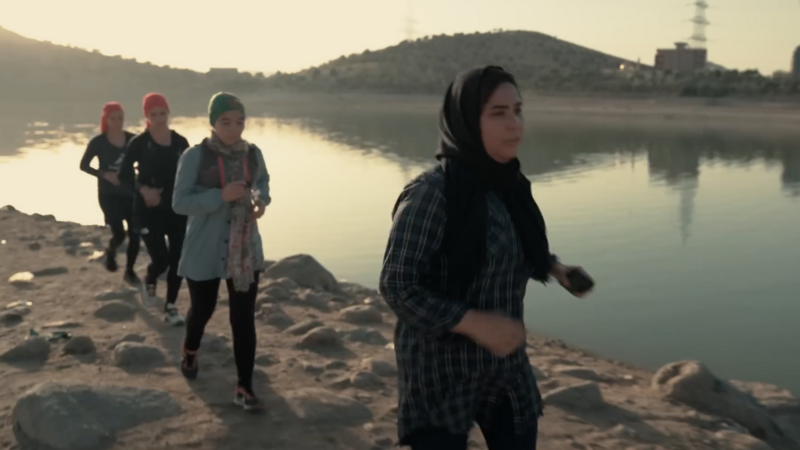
[[117, 208], [160, 227], [242, 318], [499, 435]]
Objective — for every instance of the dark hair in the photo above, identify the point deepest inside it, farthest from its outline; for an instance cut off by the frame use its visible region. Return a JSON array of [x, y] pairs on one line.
[[492, 78]]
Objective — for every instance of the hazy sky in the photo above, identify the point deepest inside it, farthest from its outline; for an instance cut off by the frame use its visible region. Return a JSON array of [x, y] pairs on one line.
[[288, 35]]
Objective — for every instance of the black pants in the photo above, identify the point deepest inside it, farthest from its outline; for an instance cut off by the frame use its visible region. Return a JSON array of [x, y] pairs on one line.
[[499, 435], [159, 227], [242, 318], [117, 208]]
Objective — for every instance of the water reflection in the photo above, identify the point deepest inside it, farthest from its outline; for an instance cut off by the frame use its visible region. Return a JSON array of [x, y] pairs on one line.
[[620, 200]]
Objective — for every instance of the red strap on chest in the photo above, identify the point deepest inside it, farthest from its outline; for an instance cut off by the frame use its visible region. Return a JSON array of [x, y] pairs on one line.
[[221, 164]]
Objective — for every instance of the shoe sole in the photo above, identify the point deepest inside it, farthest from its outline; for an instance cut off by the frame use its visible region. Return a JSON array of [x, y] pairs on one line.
[[249, 408]]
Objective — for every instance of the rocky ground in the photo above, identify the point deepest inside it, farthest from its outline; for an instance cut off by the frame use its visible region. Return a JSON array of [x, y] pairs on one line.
[[325, 369]]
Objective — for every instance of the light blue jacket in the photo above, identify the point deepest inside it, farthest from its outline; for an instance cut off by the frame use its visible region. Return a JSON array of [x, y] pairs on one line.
[[205, 248]]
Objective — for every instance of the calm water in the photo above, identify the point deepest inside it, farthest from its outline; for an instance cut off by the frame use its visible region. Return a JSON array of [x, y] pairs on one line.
[[693, 238]]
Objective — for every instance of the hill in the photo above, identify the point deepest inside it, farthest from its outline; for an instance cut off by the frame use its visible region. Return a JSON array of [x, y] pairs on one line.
[[540, 62], [429, 64], [35, 70]]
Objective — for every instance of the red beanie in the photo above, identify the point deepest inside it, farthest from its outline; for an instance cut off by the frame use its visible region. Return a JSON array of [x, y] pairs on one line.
[[153, 100], [108, 108]]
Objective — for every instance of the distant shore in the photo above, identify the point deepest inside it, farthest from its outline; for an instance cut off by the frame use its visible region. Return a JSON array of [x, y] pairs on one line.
[[751, 116]]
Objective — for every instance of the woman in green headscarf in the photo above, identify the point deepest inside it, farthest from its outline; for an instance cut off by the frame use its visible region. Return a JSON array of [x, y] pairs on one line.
[[222, 185]]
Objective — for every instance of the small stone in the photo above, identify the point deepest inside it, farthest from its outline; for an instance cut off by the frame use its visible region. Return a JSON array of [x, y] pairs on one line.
[[116, 311], [118, 294], [367, 381], [336, 365], [341, 382], [61, 324], [303, 327], [137, 338], [361, 315], [34, 246], [215, 343], [139, 356], [312, 369], [266, 360], [50, 271], [11, 318], [578, 372], [321, 337], [274, 293], [21, 279], [366, 336], [80, 345], [34, 349], [379, 368]]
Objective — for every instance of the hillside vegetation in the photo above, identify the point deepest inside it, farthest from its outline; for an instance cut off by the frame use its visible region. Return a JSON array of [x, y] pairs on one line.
[[539, 62]]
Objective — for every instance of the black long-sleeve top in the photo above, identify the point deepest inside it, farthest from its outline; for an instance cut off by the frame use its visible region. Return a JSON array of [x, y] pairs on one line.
[[156, 165], [109, 158]]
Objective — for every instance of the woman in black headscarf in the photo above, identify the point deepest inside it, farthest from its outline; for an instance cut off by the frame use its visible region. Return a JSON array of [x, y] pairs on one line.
[[466, 238]]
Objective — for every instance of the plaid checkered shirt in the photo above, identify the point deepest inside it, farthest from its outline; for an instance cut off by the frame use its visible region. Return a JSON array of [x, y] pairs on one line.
[[446, 380]]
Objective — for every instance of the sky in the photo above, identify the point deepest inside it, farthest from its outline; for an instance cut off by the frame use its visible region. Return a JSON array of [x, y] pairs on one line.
[[290, 35]]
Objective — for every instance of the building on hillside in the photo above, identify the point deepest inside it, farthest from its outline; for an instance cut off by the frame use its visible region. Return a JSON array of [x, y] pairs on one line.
[[796, 63], [222, 73], [682, 58]]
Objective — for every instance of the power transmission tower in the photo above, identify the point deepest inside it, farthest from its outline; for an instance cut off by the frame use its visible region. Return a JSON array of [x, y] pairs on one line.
[[409, 28], [698, 39]]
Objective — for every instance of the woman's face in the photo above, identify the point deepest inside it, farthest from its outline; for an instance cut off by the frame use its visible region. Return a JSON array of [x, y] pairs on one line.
[[159, 116], [229, 127], [502, 124], [115, 120]]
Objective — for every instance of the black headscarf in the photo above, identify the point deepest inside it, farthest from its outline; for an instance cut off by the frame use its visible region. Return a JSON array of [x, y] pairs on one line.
[[470, 173]]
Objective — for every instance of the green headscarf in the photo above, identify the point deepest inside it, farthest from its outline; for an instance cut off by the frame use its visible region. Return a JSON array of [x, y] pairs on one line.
[[221, 103]]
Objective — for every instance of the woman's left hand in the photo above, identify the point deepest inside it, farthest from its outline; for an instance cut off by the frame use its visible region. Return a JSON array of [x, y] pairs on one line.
[[560, 272], [258, 209]]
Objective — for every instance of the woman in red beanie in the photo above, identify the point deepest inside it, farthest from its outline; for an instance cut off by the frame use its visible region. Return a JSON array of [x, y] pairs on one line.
[[116, 199], [156, 151]]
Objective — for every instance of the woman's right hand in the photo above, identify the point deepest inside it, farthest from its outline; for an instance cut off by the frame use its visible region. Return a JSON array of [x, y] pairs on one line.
[[151, 196], [234, 191], [495, 332]]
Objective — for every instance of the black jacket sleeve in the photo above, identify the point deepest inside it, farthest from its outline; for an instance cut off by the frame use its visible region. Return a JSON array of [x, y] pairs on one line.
[[133, 153], [90, 154]]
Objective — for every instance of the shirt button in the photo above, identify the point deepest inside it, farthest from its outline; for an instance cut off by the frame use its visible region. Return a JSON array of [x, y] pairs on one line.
[[223, 259], [226, 241]]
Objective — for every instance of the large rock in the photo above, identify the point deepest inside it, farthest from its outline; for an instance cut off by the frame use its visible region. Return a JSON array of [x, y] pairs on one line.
[[692, 383], [305, 271], [136, 356], [80, 345], [582, 373], [303, 327], [320, 338], [379, 367], [30, 350], [367, 381], [78, 416], [733, 440], [311, 299], [585, 396], [323, 407], [366, 336], [361, 315], [275, 316], [116, 311]]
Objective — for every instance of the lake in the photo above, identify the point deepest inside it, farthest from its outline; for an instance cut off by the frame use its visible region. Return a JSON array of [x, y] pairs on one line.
[[692, 236]]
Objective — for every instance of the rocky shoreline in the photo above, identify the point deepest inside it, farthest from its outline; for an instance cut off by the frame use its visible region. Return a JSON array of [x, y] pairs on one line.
[[86, 366]]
